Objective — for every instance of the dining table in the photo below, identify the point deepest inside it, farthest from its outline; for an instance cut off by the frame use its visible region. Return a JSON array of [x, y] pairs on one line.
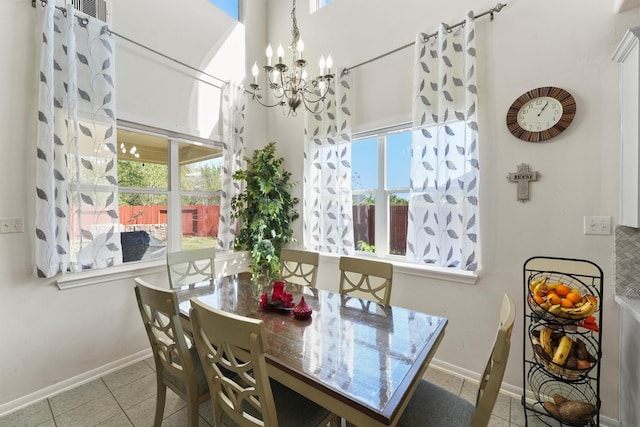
[[360, 359]]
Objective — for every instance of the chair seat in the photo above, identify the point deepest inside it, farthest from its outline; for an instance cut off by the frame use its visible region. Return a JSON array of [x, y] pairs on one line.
[[201, 380], [434, 406]]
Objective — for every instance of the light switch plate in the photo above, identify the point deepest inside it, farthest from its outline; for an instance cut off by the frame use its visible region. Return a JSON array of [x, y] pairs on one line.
[[11, 225], [597, 225]]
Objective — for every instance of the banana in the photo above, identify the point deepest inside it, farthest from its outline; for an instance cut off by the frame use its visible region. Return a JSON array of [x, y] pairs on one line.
[[562, 352], [545, 341], [552, 286], [555, 309], [540, 289], [536, 282], [581, 312]]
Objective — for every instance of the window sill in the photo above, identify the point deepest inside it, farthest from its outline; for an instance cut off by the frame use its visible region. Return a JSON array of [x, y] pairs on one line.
[[226, 263], [103, 275], [430, 272]]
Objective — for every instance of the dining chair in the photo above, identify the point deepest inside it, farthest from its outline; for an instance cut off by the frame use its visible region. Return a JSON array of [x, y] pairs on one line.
[[434, 406], [369, 279], [227, 342], [177, 365], [299, 267], [191, 266]]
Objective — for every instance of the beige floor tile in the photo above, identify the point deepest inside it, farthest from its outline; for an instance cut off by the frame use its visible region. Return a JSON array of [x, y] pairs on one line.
[[497, 422], [151, 363], [49, 423], [469, 391], [502, 407], [517, 412], [136, 391], [444, 380], [78, 396], [142, 414], [181, 419], [31, 416], [120, 420], [127, 375], [206, 411], [90, 413]]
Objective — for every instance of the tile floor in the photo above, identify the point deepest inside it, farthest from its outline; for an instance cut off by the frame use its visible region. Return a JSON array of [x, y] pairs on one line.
[[126, 398]]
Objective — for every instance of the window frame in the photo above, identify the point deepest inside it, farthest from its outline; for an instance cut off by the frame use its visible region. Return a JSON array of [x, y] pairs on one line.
[[173, 193], [400, 264], [381, 193]]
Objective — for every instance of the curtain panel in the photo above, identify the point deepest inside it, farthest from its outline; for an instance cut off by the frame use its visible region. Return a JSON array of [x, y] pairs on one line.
[[443, 205], [233, 117], [327, 201], [77, 220]]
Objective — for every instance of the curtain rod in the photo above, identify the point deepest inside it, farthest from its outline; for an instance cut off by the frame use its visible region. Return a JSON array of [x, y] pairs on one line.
[[491, 11], [33, 3]]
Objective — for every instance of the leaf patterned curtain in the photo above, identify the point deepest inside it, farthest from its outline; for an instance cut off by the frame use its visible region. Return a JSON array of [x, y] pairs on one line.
[[327, 205], [232, 111], [443, 205], [77, 220]]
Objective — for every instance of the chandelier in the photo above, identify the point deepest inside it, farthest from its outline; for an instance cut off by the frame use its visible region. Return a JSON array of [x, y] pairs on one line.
[[292, 87]]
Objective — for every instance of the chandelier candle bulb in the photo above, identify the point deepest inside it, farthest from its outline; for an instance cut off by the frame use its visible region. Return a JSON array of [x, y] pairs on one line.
[[255, 72], [321, 63], [280, 54], [329, 64], [269, 54], [300, 48]]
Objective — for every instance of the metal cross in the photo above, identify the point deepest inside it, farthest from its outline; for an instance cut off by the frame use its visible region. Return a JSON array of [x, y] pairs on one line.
[[523, 177]]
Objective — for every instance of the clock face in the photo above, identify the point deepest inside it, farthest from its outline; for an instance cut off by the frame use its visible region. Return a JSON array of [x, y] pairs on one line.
[[541, 113]]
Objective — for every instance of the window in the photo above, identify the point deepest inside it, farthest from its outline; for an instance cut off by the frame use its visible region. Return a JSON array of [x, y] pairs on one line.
[[230, 7], [380, 180], [169, 193], [317, 4]]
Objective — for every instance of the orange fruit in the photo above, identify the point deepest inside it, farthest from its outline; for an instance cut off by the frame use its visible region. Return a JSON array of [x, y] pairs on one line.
[[553, 298], [538, 299], [573, 297], [566, 303], [562, 290]]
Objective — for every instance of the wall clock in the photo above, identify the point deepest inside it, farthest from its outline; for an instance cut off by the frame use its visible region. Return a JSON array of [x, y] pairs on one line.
[[541, 113]]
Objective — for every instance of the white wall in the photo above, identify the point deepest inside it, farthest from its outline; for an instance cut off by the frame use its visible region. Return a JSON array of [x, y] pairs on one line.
[[52, 339], [52, 336], [529, 44]]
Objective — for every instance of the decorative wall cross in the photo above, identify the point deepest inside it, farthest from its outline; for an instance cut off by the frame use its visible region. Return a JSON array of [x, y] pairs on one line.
[[523, 177]]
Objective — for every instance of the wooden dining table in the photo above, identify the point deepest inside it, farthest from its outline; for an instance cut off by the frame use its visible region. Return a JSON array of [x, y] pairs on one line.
[[360, 359]]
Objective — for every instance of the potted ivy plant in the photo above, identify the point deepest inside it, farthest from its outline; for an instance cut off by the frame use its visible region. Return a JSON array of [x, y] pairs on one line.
[[265, 209]]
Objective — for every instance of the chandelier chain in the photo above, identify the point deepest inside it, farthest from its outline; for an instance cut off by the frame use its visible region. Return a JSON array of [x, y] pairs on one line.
[[295, 32]]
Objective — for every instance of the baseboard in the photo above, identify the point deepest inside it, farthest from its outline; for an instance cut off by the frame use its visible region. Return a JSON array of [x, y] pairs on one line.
[[73, 382], [508, 389]]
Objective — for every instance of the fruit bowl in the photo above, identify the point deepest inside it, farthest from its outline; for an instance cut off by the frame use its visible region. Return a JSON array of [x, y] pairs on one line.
[[560, 298], [549, 389], [580, 352]]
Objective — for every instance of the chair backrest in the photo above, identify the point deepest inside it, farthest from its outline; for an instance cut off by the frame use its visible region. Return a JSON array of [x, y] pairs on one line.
[[160, 315], [367, 279], [494, 371], [241, 390], [299, 267], [192, 266]]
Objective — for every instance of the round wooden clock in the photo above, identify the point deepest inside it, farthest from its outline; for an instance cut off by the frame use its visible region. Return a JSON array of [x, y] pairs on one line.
[[541, 113]]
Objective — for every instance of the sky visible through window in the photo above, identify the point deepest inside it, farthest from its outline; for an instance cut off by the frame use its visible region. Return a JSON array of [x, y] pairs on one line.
[[364, 161], [230, 7]]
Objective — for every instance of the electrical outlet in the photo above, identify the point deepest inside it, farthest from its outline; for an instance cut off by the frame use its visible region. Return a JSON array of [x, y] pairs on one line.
[[597, 225], [11, 225]]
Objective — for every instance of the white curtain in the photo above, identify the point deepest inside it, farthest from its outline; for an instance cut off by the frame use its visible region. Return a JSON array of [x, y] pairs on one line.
[[327, 201], [443, 206], [77, 218], [232, 111]]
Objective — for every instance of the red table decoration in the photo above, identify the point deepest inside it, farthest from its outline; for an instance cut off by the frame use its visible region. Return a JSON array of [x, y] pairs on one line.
[[302, 311]]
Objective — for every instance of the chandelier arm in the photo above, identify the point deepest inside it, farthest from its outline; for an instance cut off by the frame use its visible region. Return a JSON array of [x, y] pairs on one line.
[[256, 97]]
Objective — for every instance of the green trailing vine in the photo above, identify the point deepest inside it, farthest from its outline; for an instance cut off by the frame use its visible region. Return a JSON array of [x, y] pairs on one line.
[[266, 210]]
